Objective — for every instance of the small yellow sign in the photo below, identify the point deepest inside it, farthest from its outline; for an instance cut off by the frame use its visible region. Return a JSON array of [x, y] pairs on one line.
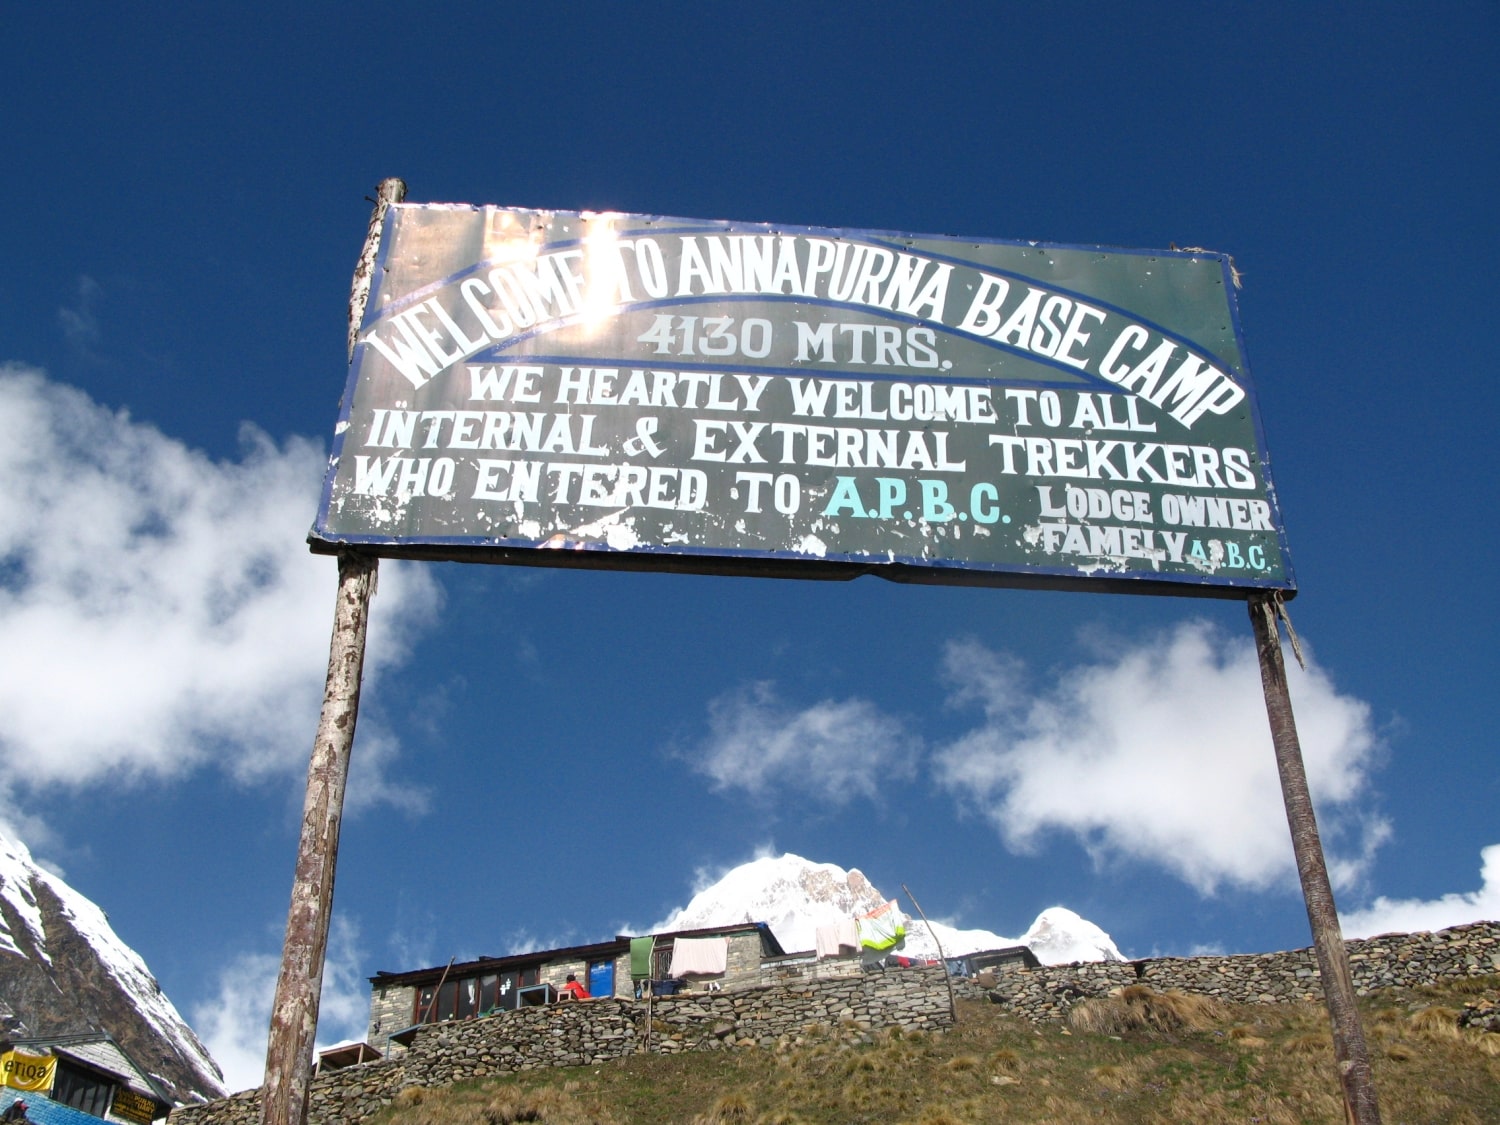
[[28, 1072], [133, 1107]]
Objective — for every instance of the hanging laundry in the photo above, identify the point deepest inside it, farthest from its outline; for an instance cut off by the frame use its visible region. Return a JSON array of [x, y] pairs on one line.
[[882, 928], [640, 957], [826, 940], [848, 935], [703, 956], [833, 941]]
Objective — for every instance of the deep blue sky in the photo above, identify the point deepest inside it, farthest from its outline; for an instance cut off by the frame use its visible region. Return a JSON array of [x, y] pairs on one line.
[[186, 192]]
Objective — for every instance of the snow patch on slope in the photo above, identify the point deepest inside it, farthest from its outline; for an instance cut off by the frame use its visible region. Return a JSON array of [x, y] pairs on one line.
[[15, 889], [20, 875]]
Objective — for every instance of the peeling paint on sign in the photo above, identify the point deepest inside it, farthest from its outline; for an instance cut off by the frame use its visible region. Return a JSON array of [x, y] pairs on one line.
[[638, 391]]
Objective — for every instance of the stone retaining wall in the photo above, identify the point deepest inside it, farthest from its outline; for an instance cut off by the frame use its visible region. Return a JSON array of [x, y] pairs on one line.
[[596, 1031], [1264, 978], [600, 1030]]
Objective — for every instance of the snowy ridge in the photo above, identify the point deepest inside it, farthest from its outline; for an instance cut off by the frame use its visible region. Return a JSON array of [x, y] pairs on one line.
[[1057, 937], [126, 966], [15, 889], [795, 896], [20, 880]]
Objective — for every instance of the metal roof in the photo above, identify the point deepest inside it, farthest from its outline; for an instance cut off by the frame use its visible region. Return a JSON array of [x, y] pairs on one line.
[[43, 1110], [618, 946], [346, 1054], [501, 964]]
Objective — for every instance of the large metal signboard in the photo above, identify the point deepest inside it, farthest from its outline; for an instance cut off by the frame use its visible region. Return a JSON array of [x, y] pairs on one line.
[[637, 391]]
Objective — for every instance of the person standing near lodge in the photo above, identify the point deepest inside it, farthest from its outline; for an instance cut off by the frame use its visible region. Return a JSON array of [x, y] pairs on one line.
[[572, 990]]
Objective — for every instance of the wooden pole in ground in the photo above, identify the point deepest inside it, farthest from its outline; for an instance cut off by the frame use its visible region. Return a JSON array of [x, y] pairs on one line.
[[1349, 1047], [947, 976], [294, 1015]]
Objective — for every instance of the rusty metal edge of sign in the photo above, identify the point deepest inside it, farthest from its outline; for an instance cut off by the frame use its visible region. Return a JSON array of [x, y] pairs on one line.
[[833, 566], [747, 564]]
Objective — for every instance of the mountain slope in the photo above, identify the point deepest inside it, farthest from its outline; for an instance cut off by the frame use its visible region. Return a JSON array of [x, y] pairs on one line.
[[63, 971], [795, 896]]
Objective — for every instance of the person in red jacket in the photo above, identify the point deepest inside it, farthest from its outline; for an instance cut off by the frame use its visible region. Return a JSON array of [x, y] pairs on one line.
[[572, 990]]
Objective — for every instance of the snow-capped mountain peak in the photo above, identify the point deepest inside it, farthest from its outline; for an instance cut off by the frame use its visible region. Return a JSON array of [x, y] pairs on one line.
[[795, 896], [64, 970], [1059, 936]]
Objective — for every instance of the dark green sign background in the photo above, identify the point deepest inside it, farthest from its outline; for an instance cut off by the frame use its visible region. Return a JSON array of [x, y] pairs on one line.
[[634, 391]]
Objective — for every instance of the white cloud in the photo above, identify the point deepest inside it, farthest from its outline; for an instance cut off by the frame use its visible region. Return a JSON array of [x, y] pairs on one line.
[[344, 1010], [370, 783], [160, 610], [235, 1024], [1210, 949], [1161, 752], [524, 939], [1410, 915], [833, 750]]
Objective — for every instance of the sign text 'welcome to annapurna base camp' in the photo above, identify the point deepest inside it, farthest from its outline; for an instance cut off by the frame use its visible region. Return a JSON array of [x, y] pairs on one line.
[[642, 391]]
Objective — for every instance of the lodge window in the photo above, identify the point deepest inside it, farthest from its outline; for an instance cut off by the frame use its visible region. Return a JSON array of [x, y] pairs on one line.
[[661, 961], [82, 1089], [463, 998], [489, 992]]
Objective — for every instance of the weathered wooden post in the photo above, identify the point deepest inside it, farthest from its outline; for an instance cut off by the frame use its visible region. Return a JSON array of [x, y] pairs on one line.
[[943, 957], [1350, 1051], [294, 1016]]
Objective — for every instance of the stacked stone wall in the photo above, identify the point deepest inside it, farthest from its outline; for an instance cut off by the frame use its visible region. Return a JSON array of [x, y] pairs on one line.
[[785, 970], [597, 1031], [600, 1030], [1392, 960], [742, 960], [624, 986]]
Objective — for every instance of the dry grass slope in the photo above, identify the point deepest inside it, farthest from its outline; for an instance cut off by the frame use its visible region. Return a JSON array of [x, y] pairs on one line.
[[1136, 1057], [1138, 1008]]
